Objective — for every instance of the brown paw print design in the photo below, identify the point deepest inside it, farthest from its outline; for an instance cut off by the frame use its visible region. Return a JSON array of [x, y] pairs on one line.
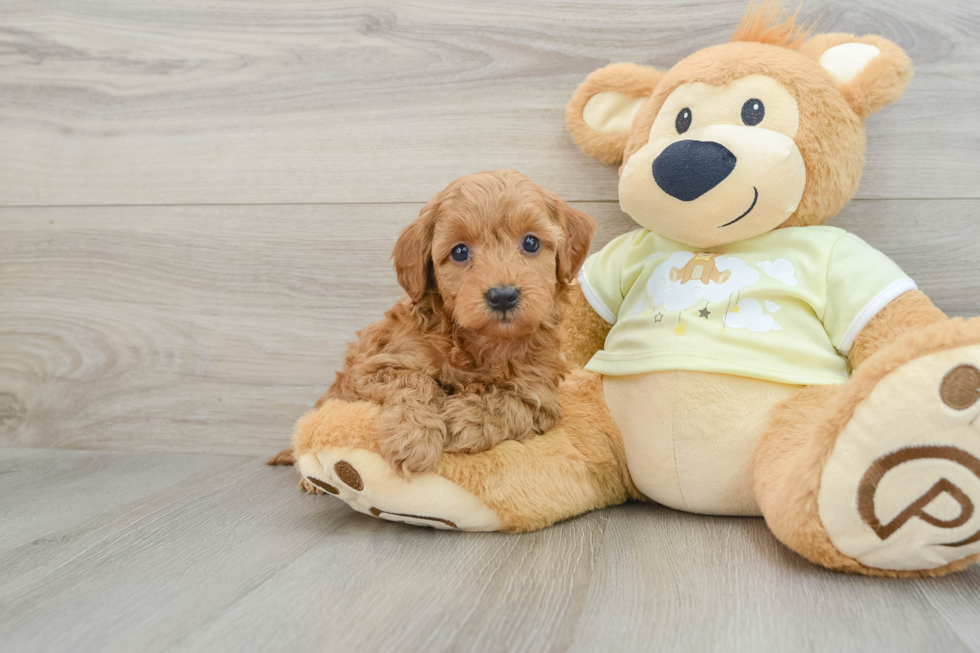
[[959, 390], [349, 477]]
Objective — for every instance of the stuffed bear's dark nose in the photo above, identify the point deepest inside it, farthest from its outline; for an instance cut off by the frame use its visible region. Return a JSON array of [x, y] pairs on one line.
[[689, 169], [502, 298]]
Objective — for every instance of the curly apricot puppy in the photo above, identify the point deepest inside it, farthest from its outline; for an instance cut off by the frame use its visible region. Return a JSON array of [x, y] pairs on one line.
[[470, 357]]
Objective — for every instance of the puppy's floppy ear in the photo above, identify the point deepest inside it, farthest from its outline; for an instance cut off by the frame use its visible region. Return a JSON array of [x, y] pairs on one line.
[[578, 229], [600, 113], [870, 71], [413, 251]]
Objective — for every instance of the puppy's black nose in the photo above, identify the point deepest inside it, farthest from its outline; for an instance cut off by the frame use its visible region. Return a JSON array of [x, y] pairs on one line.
[[502, 298], [689, 169]]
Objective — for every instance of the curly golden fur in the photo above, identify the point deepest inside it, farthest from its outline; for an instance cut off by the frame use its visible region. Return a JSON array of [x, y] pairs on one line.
[[452, 373]]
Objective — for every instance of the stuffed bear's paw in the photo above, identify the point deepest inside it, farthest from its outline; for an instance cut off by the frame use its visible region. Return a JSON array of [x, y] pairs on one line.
[[306, 486], [369, 484], [901, 490]]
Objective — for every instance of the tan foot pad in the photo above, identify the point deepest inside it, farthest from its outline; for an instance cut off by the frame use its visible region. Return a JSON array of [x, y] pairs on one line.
[[901, 490], [370, 485]]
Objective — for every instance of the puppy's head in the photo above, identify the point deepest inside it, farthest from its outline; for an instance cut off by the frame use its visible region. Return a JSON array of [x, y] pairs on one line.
[[497, 249]]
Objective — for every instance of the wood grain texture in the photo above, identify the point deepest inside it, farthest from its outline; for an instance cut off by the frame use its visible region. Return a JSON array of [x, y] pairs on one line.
[[142, 574], [215, 328], [231, 177], [237, 560], [45, 490], [114, 102]]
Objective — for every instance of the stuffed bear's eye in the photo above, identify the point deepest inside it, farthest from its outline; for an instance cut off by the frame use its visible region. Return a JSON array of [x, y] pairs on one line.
[[753, 111], [460, 253], [683, 121], [531, 244]]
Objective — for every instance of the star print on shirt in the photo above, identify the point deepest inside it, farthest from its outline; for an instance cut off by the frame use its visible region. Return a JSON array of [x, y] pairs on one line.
[[658, 317], [679, 330], [704, 312]]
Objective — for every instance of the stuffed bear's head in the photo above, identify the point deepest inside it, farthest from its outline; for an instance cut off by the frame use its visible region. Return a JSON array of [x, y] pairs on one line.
[[738, 139]]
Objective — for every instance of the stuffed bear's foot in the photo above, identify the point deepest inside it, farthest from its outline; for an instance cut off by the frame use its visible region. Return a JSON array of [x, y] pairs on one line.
[[901, 489], [337, 452], [579, 465], [368, 484], [881, 475]]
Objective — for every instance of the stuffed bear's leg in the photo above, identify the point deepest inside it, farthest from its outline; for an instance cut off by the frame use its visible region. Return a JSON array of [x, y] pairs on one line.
[[516, 486], [881, 475]]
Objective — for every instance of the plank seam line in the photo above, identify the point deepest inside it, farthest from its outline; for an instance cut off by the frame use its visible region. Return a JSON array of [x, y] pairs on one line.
[[218, 204]]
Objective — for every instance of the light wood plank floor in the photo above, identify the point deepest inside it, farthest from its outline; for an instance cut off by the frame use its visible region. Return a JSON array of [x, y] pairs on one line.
[[198, 200]]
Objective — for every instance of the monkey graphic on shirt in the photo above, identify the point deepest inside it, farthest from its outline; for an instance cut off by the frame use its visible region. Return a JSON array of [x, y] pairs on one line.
[[702, 267]]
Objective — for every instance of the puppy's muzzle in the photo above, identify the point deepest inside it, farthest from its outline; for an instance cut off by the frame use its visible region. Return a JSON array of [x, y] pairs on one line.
[[502, 298]]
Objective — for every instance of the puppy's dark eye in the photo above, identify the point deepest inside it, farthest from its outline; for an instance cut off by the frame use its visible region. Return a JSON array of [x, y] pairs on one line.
[[683, 121], [531, 244], [753, 111], [460, 253]]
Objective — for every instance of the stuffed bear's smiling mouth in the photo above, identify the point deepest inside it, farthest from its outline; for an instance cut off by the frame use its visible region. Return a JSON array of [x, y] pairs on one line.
[[749, 210]]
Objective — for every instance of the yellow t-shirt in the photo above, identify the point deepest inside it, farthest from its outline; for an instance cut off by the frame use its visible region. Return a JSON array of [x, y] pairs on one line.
[[785, 306]]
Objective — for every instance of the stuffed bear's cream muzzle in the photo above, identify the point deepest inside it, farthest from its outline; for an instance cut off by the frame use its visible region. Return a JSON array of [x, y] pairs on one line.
[[715, 185]]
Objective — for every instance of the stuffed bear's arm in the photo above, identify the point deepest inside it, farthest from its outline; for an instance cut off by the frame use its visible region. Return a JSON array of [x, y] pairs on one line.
[[583, 331], [910, 311]]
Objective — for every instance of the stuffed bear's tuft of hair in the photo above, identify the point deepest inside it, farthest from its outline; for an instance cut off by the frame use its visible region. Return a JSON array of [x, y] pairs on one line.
[[770, 24]]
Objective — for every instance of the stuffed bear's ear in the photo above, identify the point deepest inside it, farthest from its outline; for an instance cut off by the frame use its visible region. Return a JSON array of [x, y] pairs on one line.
[[601, 111], [871, 71]]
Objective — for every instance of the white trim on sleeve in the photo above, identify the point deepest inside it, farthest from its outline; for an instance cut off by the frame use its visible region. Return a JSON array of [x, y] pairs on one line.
[[594, 300], [883, 299]]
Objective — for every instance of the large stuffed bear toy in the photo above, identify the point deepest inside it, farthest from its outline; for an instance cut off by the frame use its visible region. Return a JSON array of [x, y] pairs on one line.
[[739, 357]]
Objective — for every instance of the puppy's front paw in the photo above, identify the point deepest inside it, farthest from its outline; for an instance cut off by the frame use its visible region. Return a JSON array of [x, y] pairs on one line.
[[467, 436], [471, 427], [479, 422], [547, 416], [412, 448], [411, 457], [412, 437]]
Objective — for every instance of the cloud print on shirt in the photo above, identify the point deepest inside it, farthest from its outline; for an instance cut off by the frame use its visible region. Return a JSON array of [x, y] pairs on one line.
[[781, 270], [751, 317], [678, 297]]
